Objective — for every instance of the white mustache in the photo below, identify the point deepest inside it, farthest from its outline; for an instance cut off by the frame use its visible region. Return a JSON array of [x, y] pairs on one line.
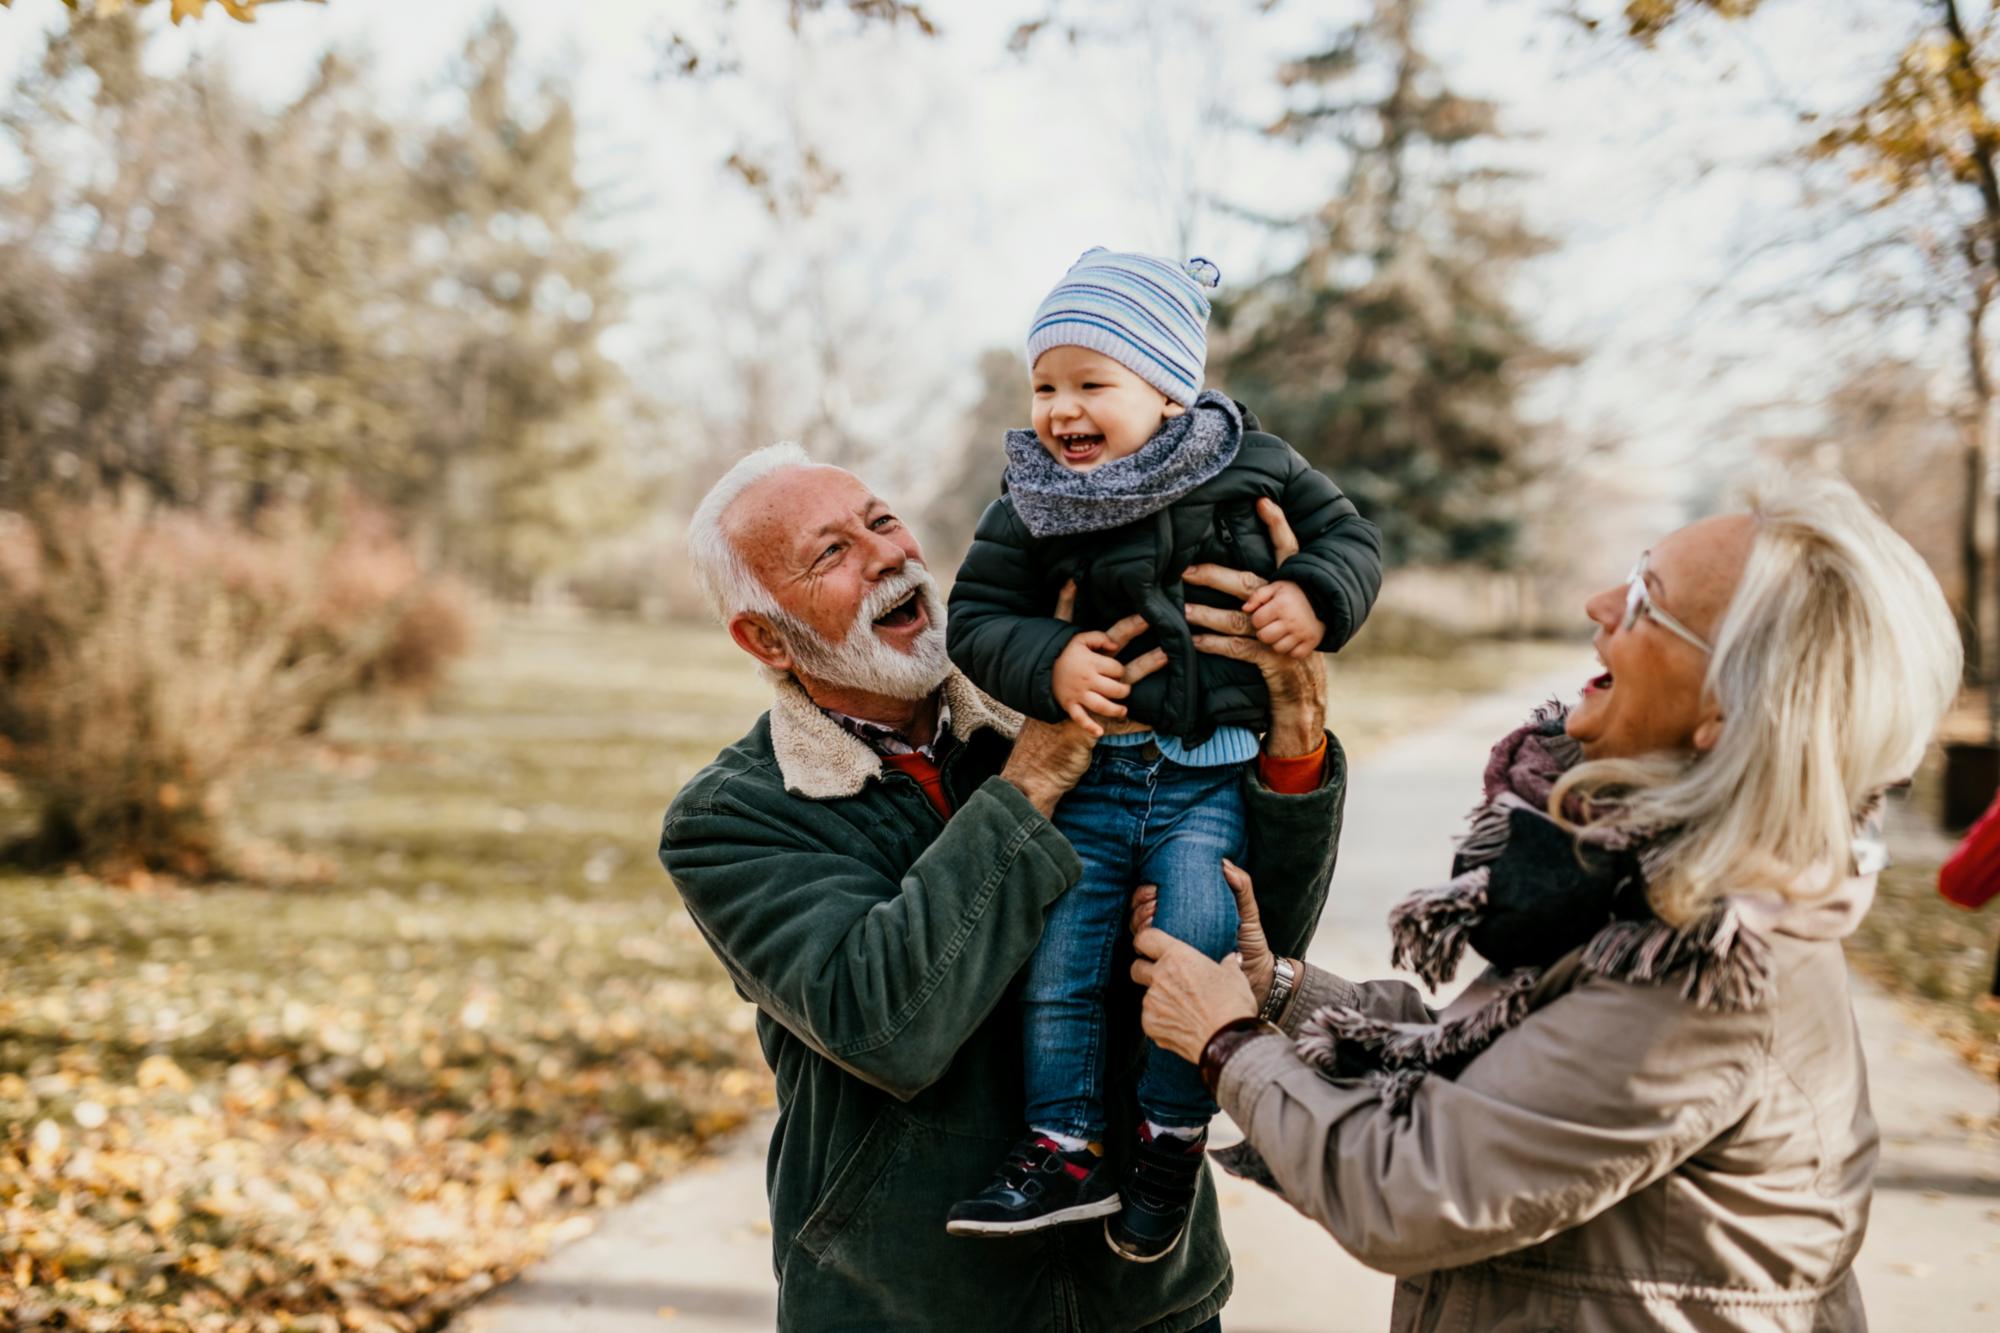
[[893, 591]]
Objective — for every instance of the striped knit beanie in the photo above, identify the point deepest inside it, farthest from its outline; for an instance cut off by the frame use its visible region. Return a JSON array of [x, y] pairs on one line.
[[1147, 314]]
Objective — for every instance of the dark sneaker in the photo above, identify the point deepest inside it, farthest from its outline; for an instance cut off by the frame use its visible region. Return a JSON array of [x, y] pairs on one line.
[[1158, 1196], [1038, 1185]]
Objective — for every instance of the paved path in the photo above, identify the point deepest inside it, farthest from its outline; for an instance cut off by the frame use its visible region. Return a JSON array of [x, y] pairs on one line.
[[695, 1254]]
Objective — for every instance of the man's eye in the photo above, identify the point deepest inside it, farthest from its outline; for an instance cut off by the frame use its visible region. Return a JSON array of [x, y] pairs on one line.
[[888, 519], [829, 552]]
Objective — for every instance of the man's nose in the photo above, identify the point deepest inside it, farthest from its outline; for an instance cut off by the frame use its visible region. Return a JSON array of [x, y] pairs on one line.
[[885, 556]]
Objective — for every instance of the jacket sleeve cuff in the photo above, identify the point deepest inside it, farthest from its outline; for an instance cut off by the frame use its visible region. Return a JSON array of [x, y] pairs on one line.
[[1293, 775], [1041, 832], [1316, 989], [1253, 1068], [1330, 759]]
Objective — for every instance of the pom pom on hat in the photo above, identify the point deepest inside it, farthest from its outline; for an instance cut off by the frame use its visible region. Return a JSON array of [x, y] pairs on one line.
[[1204, 272]]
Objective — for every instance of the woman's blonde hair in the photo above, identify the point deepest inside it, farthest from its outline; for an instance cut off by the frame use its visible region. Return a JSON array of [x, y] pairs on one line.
[[1833, 665]]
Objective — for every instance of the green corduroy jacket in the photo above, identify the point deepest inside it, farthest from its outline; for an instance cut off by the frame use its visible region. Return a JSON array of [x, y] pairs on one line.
[[880, 945]]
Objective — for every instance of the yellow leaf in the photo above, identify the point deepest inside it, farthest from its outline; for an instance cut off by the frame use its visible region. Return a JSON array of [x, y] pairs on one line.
[[163, 1216], [160, 1071], [97, 1291], [188, 9], [243, 11]]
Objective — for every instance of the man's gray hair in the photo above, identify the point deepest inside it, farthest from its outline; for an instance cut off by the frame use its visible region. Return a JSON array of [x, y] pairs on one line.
[[719, 568]]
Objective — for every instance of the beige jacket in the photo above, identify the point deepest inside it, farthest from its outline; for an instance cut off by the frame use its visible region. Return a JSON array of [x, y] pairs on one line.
[[1620, 1160]]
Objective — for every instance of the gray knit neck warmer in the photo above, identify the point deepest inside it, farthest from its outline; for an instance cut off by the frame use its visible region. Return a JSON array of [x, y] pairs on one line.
[[1184, 452]]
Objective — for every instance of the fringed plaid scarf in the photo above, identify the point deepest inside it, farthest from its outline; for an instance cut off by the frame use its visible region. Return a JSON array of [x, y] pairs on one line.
[[1524, 892]]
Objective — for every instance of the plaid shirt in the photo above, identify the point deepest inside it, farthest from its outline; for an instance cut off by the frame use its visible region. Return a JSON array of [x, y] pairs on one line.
[[888, 741]]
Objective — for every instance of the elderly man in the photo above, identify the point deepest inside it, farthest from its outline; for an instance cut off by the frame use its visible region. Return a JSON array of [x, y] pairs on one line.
[[873, 863]]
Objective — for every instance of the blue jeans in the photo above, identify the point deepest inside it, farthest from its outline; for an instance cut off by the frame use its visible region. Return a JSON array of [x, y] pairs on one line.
[[1135, 818]]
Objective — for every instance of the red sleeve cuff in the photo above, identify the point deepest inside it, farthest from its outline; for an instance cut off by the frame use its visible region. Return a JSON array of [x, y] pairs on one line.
[[1294, 775], [1971, 876]]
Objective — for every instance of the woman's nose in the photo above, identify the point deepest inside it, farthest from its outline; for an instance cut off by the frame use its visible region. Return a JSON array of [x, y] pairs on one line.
[[1607, 607]]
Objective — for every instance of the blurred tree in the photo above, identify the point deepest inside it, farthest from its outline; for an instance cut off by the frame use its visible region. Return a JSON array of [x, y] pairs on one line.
[[1390, 354], [968, 478], [243, 11], [1922, 157], [1890, 427], [519, 459], [289, 306]]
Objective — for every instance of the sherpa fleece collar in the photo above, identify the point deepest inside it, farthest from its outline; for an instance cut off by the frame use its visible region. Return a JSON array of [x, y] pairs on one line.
[[823, 761]]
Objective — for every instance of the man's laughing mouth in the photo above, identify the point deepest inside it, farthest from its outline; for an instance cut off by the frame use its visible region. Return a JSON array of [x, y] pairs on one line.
[[903, 614]]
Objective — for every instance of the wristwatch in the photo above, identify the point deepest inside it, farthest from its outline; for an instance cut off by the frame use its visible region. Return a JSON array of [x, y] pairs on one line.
[[1284, 979]]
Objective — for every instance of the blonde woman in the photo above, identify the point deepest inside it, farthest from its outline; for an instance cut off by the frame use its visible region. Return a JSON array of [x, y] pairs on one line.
[[1650, 1111]]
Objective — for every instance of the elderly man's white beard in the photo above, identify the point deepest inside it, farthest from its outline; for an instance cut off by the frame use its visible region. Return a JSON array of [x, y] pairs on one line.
[[862, 661]]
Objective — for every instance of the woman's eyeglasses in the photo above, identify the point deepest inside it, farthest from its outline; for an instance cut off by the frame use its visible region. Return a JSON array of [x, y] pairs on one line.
[[1639, 601]]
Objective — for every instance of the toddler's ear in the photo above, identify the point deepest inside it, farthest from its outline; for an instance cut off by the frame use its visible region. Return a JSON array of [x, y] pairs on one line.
[[1171, 410]]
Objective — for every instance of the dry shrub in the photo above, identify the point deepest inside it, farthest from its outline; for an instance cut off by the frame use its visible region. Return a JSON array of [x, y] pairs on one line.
[[370, 572], [146, 656]]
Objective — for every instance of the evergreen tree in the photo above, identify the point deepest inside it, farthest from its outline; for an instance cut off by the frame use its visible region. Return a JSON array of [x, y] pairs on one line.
[[1390, 354], [520, 461]]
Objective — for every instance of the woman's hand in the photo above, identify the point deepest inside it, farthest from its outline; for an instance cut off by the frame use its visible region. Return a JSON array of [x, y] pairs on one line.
[[1297, 686], [1252, 949], [1188, 997], [1050, 757]]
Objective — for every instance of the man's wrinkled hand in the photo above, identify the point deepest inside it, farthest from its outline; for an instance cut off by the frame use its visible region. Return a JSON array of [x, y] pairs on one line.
[[1049, 758], [1297, 685]]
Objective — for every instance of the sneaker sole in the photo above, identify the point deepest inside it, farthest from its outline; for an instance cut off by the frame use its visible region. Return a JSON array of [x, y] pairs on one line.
[[1081, 1212], [1132, 1258]]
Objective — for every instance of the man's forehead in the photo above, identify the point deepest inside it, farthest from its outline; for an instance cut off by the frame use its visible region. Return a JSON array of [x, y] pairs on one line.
[[801, 502]]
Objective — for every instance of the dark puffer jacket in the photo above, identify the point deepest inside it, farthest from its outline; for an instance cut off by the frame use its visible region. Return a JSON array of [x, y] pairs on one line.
[[1002, 632]]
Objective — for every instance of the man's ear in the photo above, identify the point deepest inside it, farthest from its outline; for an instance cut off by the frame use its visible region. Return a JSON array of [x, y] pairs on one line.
[[756, 636]]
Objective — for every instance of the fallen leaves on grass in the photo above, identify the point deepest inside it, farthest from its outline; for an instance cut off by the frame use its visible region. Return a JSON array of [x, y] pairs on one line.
[[244, 1111], [1937, 957]]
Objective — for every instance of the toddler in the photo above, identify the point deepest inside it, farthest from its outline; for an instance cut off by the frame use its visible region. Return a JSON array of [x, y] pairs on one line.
[[1131, 474]]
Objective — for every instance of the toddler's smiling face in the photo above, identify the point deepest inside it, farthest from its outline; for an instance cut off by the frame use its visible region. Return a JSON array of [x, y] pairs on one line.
[[1090, 410]]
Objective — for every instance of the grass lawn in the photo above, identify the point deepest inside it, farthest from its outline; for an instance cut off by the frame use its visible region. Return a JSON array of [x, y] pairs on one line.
[[472, 1011]]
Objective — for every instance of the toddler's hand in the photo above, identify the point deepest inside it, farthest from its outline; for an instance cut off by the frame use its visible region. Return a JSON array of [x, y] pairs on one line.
[[1284, 620], [1088, 677]]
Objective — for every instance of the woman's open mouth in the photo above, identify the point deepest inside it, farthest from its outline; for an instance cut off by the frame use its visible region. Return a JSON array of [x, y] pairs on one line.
[[903, 614]]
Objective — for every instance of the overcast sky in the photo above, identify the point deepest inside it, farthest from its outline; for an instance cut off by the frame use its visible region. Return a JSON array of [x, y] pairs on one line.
[[974, 178]]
